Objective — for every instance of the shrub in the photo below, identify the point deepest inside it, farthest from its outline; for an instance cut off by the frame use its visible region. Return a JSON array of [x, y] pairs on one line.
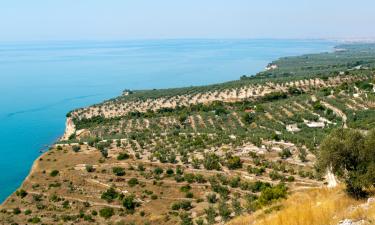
[[224, 211], [200, 178], [37, 197], [290, 179], [123, 156], [179, 170], [236, 205], [234, 182], [274, 96], [275, 175], [21, 193], [199, 221], [129, 202], [170, 171], [104, 152], [89, 168], [34, 220], [210, 215], [248, 118], [185, 205], [285, 153], [76, 148], [106, 212], [211, 198], [211, 162], [132, 182], [302, 155], [54, 173], [158, 170], [258, 186], [110, 195], [234, 162], [88, 218], [118, 171], [189, 177], [141, 167], [189, 195], [186, 219], [318, 106], [16, 211], [185, 188], [256, 170], [272, 193]]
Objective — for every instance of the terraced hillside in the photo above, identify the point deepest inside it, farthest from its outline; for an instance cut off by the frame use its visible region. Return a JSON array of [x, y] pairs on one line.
[[199, 155]]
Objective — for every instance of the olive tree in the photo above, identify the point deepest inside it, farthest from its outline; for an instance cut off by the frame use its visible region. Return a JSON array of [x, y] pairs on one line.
[[351, 156]]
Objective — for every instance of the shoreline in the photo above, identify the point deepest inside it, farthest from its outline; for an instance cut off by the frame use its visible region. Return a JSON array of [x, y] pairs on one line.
[[69, 130]]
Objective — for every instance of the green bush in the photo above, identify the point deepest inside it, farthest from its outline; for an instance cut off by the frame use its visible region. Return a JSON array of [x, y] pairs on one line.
[[16, 211], [248, 118], [21, 193], [210, 215], [133, 181], [285, 153], [118, 171], [270, 194], [185, 188], [110, 195], [211, 162], [185, 205], [211, 198], [54, 173], [234, 162], [76, 148], [89, 168], [189, 195], [224, 211], [106, 212], [158, 171], [34, 220], [170, 171], [129, 202], [123, 156]]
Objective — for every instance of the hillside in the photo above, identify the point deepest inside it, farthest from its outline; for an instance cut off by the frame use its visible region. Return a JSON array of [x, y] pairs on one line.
[[205, 154]]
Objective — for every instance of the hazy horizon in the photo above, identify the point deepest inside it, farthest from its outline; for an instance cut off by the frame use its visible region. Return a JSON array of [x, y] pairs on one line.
[[97, 20]]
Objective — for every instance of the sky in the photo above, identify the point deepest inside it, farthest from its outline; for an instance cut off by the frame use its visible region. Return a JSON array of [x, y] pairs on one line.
[[25, 20]]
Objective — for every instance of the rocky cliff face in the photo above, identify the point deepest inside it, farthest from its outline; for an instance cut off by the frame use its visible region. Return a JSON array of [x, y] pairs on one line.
[[70, 129]]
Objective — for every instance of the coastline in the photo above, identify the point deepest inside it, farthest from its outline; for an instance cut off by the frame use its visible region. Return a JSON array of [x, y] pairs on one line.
[[70, 129], [80, 166]]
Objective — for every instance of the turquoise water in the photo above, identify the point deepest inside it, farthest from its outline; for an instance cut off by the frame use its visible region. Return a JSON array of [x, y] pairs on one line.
[[41, 82]]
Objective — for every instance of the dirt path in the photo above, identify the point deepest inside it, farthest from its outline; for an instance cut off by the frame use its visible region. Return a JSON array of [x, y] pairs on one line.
[[337, 112], [80, 200]]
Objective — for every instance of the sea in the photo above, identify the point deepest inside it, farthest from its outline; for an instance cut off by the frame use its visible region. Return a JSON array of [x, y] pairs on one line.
[[41, 81]]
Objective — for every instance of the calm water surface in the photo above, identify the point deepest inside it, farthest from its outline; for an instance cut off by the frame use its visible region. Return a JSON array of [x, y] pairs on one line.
[[41, 82]]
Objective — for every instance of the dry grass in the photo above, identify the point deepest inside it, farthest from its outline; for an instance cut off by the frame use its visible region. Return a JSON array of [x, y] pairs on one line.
[[314, 207]]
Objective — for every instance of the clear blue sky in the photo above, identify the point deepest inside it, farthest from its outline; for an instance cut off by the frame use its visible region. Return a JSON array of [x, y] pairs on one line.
[[133, 19]]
